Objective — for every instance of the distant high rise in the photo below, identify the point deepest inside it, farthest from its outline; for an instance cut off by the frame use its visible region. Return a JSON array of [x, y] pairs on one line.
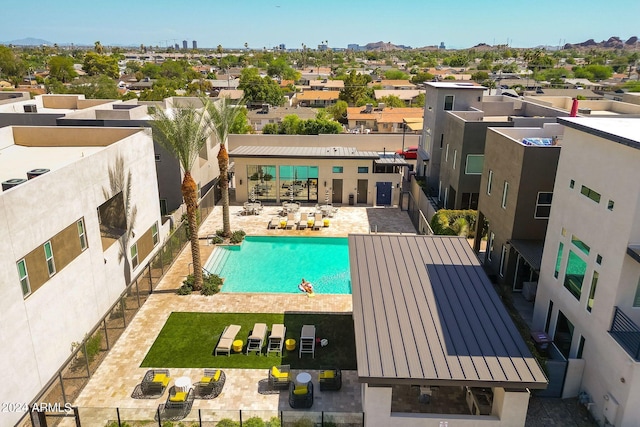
[[184, 44], [176, 46], [442, 45], [282, 46], [195, 44]]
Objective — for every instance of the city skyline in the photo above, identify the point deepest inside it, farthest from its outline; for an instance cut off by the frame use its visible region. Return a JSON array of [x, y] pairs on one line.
[[274, 22]]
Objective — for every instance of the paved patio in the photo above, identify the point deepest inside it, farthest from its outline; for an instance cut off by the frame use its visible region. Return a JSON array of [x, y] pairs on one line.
[[119, 374]]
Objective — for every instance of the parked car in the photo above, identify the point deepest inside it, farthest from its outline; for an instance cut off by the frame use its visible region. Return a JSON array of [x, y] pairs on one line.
[[409, 153]]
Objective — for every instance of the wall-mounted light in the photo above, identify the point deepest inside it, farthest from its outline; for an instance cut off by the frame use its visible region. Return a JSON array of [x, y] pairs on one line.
[[240, 181], [325, 183], [133, 233]]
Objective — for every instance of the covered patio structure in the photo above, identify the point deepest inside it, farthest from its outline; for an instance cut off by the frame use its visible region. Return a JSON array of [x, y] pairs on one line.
[[433, 341]]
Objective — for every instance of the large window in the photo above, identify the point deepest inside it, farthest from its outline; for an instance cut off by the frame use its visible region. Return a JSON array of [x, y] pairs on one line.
[[505, 192], [636, 300], [489, 182], [24, 277], [474, 165], [593, 195], [48, 255], [580, 245], [543, 205], [262, 182], [299, 183], [558, 260], [448, 102], [573, 278]]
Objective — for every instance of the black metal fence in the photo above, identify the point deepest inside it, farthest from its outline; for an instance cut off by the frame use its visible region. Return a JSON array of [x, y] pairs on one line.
[[626, 333]]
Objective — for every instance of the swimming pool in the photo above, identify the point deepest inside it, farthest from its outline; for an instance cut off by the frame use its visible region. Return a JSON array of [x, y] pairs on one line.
[[278, 264]]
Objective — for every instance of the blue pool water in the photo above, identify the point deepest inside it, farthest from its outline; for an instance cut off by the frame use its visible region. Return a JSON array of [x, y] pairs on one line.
[[278, 264]]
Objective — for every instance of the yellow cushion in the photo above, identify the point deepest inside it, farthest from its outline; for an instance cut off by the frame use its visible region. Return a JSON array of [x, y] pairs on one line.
[[327, 375], [180, 396], [310, 221], [300, 389], [216, 376], [161, 378], [276, 373], [205, 379]]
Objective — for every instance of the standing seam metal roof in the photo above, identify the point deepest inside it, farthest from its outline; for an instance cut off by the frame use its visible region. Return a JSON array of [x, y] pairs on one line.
[[312, 152], [425, 313]]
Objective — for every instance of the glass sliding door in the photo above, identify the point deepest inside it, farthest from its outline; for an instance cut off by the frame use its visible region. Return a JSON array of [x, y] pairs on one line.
[[261, 183], [298, 183]]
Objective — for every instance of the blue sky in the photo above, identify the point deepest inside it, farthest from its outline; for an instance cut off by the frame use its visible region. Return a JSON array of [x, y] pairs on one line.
[[267, 23]]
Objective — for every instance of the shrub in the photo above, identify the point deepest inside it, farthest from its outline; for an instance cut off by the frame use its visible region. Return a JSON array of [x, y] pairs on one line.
[[187, 286], [454, 222], [216, 240], [227, 422], [237, 236], [93, 346], [220, 233], [211, 284], [273, 422], [254, 422]]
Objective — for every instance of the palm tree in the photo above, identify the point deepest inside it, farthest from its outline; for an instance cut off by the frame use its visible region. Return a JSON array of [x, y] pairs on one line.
[[98, 47], [222, 117], [183, 132]]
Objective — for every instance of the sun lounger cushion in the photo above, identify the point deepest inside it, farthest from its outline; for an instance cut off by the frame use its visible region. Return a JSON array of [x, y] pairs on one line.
[[161, 378], [300, 389], [180, 396], [215, 377], [327, 374], [276, 373]]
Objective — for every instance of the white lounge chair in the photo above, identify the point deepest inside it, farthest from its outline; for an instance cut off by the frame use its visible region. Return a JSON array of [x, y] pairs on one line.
[[317, 224], [256, 339], [291, 220], [274, 222], [226, 339], [276, 339], [302, 224]]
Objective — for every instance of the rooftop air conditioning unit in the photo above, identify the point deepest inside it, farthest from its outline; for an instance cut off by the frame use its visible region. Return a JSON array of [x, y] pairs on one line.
[[265, 108], [584, 110], [10, 183], [30, 108], [368, 108], [381, 106], [34, 173]]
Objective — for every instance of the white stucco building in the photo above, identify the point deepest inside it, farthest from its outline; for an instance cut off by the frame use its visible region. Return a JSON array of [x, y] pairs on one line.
[[588, 297], [62, 237]]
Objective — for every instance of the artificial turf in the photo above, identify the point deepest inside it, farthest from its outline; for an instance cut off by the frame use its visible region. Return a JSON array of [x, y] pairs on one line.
[[188, 340]]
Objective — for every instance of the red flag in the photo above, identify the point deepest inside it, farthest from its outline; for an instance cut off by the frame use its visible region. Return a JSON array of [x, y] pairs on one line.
[[574, 108]]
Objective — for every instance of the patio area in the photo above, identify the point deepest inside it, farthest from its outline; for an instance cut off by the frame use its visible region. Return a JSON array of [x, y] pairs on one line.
[[115, 380]]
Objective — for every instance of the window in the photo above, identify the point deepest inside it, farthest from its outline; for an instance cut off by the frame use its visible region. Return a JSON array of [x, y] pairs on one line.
[[439, 190], [610, 205], [82, 235], [549, 312], [636, 299], [474, 165], [441, 140], [580, 245], [157, 157], [363, 169], [593, 195], [455, 158], [543, 205], [446, 154], [556, 272], [489, 182], [24, 277], [448, 102], [134, 255], [337, 169], [154, 233], [48, 254], [505, 191], [574, 276], [592, 291], [580, 348], [361, 123], [572, 184], [503, 255], [599, 259], [492, 236]]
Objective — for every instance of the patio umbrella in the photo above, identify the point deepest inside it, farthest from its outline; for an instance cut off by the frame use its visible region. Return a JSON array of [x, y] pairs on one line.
[[253, 194], [291, 194], [326, 197], [574, 108]]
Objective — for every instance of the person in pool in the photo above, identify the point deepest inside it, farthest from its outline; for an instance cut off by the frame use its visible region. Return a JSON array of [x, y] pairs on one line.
[[306, 286]]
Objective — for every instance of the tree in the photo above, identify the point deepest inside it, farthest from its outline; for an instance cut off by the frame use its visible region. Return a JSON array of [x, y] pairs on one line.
[[355, 88], [339, 111], [392, 101], [61, 68], [94, 87], [223, 115], [421, 78], [258, 89], [11, 65], [95, 64], [184, 133], [98, 47], [418, 101], [157, 93], [395, 74]]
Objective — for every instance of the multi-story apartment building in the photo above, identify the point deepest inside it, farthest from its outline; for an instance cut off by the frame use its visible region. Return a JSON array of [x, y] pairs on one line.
[[588, 297], [71, 238]]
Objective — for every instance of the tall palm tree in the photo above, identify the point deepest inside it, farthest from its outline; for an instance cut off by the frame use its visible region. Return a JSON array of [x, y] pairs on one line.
[[184, 131], [222, 117]]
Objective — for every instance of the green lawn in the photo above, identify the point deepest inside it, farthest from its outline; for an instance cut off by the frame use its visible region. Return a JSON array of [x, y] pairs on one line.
[[187, 340]]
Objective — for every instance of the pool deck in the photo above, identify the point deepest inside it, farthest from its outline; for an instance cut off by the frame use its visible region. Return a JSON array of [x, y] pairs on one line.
[[119, 374]]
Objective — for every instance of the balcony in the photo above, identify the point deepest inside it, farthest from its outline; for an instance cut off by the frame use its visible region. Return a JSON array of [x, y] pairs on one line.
[[626, 333]]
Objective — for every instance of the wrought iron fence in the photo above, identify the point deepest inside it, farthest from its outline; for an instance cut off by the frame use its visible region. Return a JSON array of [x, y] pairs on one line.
[[626, 333]]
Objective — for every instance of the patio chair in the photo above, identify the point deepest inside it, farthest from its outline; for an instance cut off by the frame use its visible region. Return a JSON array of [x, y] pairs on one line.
[[276, 339], [330, 379], [302, 224], [317, 221], [274, 222], [155, 381], [256, 339], [308, 340], [280, 376], [179, 399], [211, 384], [301, 396], [291, 220], [226, 339]]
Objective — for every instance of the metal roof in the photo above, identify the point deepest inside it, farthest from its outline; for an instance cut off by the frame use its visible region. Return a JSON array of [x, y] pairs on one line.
[[306, 152], [424, 312], [530, 250]]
